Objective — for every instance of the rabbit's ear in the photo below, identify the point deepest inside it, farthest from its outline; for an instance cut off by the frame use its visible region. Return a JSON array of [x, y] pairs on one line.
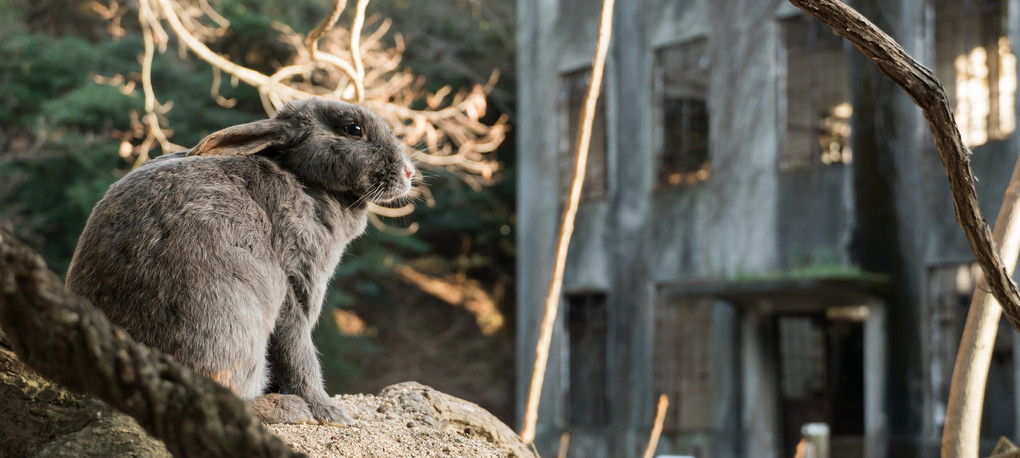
[[242, 139]]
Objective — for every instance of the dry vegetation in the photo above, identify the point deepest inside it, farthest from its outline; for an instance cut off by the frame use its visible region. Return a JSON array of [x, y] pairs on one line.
[[439, 129]]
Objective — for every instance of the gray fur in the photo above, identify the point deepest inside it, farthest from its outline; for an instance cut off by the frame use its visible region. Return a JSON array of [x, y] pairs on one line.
[[221, 256]]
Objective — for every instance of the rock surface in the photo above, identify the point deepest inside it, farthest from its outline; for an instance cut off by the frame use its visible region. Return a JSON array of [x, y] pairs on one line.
[[407, 420]]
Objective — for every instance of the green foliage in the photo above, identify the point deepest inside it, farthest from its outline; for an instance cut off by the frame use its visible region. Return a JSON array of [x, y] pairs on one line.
[[52, 102], [88, 107], [338, 368], [59, 193]]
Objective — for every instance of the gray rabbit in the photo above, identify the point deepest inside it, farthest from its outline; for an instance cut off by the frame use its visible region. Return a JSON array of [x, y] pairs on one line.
[[220, 256]]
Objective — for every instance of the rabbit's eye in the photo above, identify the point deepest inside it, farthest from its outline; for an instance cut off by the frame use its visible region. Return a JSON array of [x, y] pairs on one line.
[[353, 129]]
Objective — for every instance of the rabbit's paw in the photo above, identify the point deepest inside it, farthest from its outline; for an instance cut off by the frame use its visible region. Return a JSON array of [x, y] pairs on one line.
[[282, 408], [328, 412]]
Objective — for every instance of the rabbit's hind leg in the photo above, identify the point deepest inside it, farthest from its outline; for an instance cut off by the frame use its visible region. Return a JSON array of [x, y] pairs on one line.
[[269, 408]]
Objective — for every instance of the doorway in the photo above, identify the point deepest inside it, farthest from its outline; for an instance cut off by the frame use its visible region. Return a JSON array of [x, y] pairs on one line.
[[820, 359]]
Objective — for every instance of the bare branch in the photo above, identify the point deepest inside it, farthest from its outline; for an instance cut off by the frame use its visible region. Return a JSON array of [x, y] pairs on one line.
[[359, 66], [660, 417], [312, 40]]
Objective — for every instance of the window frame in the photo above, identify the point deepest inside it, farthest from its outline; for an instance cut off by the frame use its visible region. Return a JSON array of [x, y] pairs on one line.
[[659, 96], [599, 411], [972, 19], [692, 368], [787, 160]]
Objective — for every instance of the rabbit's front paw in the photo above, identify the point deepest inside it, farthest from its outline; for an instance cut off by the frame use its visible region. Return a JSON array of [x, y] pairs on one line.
[[328, 412], [281, 408]]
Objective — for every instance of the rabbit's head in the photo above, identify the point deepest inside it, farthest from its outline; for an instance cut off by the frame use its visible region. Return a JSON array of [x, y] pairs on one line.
[[327, 144]]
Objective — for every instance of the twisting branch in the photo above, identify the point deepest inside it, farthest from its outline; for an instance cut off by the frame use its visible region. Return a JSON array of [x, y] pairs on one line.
[[312, 40], [154, 132], [68, 340], [359, 66], [552, 299], [919, 82]]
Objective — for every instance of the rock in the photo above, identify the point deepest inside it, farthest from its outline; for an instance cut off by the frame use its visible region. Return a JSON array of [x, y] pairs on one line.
[[408, 420]]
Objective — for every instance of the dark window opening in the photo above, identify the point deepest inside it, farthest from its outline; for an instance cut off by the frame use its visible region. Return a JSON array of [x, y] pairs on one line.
[[682, 72], [587, 328]]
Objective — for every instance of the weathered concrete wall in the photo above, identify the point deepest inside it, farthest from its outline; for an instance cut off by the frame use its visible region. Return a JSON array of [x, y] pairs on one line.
[[537, 62], [640, 237], [750, 219]]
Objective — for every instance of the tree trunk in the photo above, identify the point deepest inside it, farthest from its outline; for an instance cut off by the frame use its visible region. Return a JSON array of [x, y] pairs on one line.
[[66, 339], [42, 418]]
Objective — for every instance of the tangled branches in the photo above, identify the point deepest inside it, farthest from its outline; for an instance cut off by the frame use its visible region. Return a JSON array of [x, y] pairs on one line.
[[441, 129]]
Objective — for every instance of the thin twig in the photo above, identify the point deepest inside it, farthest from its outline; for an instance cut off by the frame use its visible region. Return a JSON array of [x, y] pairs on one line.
[[151, 118], [660, 418], [552, 300], [245, 74], [391, 212], [564, 445], [355, 72], [359, 66], [312, 40]]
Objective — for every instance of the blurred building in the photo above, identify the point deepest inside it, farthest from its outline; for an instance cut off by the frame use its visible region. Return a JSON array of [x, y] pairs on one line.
[[766, 233]]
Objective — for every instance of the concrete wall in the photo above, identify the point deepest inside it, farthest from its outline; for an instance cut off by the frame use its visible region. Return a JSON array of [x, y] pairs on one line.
[[751, 219]]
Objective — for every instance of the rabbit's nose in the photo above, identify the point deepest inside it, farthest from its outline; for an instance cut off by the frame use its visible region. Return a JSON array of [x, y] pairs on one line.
[[408, 170]]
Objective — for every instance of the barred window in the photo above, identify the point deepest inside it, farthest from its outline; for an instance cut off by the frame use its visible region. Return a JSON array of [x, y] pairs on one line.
[[682, 73], [587, 329], [975, 63], [682, 367], [802, 352], [816, 91]]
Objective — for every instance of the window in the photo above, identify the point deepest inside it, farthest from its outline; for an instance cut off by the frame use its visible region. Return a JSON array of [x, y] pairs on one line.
[[587, 329], [802, 349], [683, 356], [816, 89], [682, 73], [975, 63], [575, 89]]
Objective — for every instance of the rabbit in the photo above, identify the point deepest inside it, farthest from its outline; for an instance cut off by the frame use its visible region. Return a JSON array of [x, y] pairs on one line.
[[220, 256]]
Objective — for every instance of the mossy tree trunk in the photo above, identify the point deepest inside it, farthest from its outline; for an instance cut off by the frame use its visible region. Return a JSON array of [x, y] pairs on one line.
[[41, 418]]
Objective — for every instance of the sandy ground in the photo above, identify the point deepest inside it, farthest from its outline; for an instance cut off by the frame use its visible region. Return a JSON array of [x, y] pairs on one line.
[[385, 426]]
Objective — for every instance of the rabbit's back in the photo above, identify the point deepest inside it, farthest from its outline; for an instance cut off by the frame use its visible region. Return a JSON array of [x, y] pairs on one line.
[[180, 254]]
